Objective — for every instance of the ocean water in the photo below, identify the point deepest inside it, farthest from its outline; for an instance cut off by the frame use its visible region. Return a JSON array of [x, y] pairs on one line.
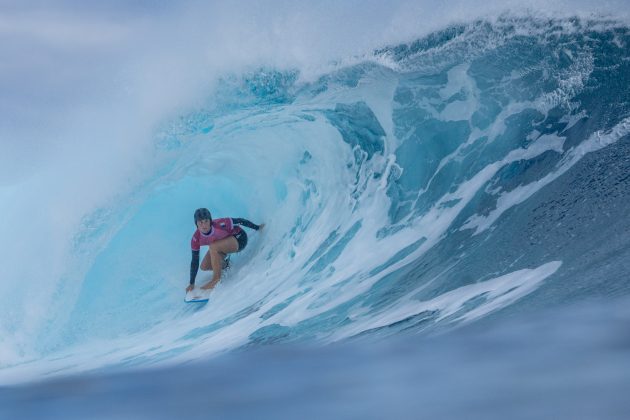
[[445, 192]]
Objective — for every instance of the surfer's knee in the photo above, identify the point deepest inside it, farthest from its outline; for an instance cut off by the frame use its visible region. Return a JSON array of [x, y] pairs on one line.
[[218, 253]]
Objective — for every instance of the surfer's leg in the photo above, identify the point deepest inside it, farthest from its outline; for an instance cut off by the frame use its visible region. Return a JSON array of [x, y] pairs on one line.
[[206, 263], [218, 251]]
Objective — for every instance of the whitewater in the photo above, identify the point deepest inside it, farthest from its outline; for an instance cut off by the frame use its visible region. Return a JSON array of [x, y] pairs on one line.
[[444, 191]]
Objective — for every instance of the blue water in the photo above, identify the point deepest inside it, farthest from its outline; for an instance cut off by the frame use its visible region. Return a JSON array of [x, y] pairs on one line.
[[572, 365], [446, 235]]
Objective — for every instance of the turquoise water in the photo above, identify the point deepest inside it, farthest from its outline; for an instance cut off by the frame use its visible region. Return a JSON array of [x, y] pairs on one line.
[[462, 182]]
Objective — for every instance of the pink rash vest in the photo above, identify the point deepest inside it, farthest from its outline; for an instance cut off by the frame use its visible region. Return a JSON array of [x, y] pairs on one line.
[[220, 229]]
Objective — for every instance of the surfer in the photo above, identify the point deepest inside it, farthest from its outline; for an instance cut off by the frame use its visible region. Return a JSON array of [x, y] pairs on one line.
[[223, 237]]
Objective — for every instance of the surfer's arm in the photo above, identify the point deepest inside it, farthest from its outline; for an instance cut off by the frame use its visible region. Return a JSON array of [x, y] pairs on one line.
[[194, 266], [246, 223]]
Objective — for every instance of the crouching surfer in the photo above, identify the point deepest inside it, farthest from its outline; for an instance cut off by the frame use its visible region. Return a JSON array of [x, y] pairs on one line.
[[223, 236]]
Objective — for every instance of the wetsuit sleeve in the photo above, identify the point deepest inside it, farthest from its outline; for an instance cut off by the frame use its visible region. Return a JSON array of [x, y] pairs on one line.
[[194, 266], [245, 222]]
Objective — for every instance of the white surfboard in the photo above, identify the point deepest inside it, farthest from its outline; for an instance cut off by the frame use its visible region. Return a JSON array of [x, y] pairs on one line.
[[197, 295]]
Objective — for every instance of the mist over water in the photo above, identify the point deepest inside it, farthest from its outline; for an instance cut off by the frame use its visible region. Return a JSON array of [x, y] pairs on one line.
[[421, 169]]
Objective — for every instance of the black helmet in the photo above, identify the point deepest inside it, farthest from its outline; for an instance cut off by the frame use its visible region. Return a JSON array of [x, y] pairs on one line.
[[202, 214]]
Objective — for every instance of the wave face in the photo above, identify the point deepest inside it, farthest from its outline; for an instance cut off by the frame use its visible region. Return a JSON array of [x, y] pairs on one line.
[[479, 171]]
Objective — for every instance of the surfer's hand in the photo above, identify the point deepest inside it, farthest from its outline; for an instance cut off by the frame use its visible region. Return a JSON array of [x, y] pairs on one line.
[[260, 226], [190, 287]]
